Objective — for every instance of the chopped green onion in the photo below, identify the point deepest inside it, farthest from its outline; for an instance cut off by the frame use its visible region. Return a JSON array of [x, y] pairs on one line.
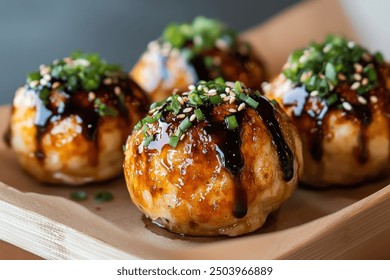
[[78, 195], [174, 140], [199, 115], [332, 99], [195, 99], [330, 73], [220, 81], [231, 122], [237, 87], [379, 57], [147, 140], [185, 124], [103, 196], [175, 104], [33, 76], [251, 102], [216, 99]]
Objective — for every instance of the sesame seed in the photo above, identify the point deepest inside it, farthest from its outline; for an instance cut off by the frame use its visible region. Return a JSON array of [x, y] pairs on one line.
[[314, 93], [362, 100], [200, 87], [223, 95], [327, 48], [107, 81], [227, 98], [56, 85], [221, 44], [241, 107], [205, 89], [191, 87], [175, 91], [212, 92], [322, 76], [231, 110], [232, 93], [192, 118], [43, 82], [187, 110], [351, 44], [182, 137], [180, 99], [358, 67], [347, 106], [185, 93], [185, 99], [374, 99], [341, 77], [227, 89], [117, 90], [230, 84], [357, 77], [364, 81], [91, 96], [355, 86], [232, 99], [181, 116]]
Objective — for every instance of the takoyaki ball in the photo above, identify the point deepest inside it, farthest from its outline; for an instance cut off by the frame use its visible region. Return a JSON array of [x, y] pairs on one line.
[[187, 53], [337, 94], [72, 117], [214, 160]]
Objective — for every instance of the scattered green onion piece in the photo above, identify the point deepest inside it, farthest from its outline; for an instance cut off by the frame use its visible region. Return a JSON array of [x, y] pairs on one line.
[[332, 99], [195, 99], [147, 140], [78, 195], [231, 122], [103, 196], [237, 87], [220, 81], [174, 140], [33, 76], [251, 102], [199, 115], [175, 104], [185, 124], [330, 73], [379, 57], [216, 99]]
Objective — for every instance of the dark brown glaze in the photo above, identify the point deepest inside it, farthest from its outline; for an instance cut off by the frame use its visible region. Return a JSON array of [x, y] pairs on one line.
[[235, 64], [226, 145], [310, 113], [77, 104]]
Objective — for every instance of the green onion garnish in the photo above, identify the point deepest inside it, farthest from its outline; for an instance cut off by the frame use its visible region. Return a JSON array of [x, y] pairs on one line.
[[78, 195], [199, 115], [216, 99], [103, 196], [174, 140], [185, 124], [251, 102], [231, 122]]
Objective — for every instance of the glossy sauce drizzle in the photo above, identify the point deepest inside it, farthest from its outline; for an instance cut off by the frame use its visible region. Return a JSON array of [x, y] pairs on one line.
[[228, 145], [77, 104]]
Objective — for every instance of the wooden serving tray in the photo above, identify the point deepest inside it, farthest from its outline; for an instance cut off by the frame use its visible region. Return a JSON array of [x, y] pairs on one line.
[[348, 223]]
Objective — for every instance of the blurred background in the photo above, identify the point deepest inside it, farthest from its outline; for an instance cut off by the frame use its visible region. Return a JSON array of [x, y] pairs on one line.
[[38, 31]]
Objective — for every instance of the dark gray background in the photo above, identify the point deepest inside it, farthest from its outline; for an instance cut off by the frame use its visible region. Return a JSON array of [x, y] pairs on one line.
[[37, 32]]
